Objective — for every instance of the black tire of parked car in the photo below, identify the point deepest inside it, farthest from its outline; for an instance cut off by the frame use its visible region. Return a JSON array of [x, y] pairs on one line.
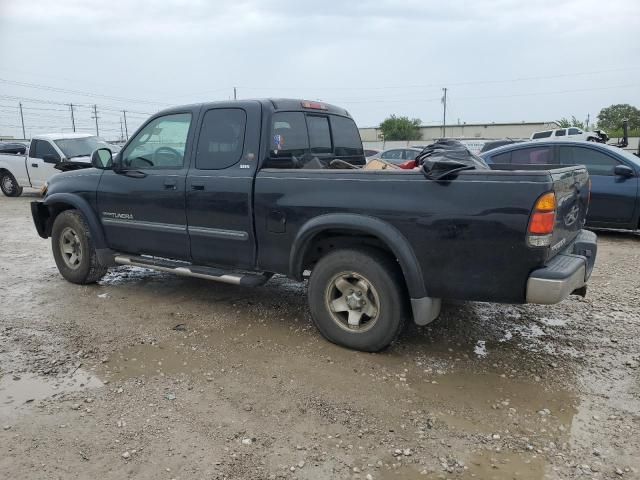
[[9, 185], [384, 277], [70, 233]]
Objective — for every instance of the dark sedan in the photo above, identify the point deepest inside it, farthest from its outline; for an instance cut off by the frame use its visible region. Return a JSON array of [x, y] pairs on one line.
[[615, 195]]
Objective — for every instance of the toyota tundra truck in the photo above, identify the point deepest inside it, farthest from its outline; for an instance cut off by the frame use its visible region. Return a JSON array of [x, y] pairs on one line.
[[238, 191]]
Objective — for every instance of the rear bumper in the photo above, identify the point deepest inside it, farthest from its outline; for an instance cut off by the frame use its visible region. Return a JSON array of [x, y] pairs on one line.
[[566, 273]]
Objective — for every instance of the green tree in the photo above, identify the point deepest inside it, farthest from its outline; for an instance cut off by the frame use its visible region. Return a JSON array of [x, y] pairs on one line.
[[610, 118], [401, 128], [574, 122]]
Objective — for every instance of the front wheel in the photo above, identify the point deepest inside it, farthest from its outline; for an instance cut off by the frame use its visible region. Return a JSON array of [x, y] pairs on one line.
[[357, 299], [9, 185], [73, 249]]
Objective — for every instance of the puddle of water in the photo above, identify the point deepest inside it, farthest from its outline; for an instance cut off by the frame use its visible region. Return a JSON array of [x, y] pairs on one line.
[[492, 398], [19, 394], [488, 466], [152, 360]]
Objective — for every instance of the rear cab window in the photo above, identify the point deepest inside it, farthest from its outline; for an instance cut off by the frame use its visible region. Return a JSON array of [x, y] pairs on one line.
[[311, 140], [545, 134]]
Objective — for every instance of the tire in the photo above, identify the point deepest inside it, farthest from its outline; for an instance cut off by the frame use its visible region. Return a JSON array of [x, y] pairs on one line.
[[381, 317], [73, 249], [9, 185]]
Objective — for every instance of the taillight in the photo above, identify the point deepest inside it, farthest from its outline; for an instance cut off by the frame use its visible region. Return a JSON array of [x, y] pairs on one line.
[[314, 105], [542, 221]]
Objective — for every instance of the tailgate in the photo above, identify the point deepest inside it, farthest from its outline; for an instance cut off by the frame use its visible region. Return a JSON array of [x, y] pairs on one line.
[[571, 186]]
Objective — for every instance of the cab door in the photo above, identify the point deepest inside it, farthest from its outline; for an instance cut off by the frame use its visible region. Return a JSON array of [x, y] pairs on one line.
[[41, 162], [613, 197], [141, 201], [219, 195]]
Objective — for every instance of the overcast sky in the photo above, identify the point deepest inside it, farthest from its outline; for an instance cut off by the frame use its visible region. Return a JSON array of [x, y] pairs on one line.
[[502, 60]]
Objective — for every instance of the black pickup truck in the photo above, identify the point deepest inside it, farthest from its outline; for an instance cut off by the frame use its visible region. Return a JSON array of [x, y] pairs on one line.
[[237, 191]]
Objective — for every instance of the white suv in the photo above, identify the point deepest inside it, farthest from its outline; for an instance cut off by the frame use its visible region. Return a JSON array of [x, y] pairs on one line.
[[573, 133]]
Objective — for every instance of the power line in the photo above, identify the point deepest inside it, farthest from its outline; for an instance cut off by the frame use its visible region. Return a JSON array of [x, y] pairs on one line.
[[78, 92]]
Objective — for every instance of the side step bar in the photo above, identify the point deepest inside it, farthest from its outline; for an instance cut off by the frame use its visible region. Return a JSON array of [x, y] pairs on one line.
[[188, 270]]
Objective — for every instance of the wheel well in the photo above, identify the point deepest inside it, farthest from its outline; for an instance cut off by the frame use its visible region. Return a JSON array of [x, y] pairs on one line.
[[334, 239], [55, 209]]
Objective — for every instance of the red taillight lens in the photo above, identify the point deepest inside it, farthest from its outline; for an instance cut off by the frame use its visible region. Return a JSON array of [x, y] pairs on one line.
[[314, 105], [542, 223], [543, 220]]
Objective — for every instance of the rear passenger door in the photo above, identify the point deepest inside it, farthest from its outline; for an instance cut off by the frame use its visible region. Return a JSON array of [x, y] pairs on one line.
[[220, 186], [613, 198]]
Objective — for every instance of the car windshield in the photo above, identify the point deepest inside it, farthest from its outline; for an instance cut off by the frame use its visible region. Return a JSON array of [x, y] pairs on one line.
[[79, 147]]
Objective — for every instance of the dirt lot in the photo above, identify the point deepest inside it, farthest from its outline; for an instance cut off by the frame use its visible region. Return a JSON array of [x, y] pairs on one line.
[[152, 376]]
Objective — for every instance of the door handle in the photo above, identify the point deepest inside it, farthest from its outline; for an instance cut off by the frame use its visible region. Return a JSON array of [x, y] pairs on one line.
[[34, 165], [170, 184], [197, 186]]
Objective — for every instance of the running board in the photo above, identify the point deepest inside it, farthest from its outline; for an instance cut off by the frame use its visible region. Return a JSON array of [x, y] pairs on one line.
[[188, 270]]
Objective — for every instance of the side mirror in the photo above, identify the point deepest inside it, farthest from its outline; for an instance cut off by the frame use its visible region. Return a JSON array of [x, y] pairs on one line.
[[623, 171], [50, 158], [101, 158]]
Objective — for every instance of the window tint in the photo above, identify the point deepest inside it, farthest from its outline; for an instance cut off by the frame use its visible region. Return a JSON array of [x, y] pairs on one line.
[[502, 158], [289, 135], [40, 148], [160, 144], [346, 137], [392, 155], [410, 154], [575, 131], [319, 135], [541, 134], [528, 156], [561, 133], [221, 138], [597, 163]]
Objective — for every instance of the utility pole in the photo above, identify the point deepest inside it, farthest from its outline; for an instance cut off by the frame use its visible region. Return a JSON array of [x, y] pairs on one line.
[[444, 113], [24, 135], [587, 124], [121, 131], [235, 93], [126, 131], [95, 115], [73, 120]]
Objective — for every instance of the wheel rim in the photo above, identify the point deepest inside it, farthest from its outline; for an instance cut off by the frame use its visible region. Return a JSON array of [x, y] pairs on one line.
[[352, 302], [71, 248], [7, 184]]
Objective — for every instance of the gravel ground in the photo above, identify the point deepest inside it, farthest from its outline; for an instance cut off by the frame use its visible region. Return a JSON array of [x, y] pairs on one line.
[[152, 376]]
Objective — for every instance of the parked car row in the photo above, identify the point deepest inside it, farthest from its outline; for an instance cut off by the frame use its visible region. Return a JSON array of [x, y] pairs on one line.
[[614, 173]]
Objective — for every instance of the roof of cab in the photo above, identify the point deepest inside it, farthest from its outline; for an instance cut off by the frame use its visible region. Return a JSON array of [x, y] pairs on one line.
[[61, 136], [274, 104]]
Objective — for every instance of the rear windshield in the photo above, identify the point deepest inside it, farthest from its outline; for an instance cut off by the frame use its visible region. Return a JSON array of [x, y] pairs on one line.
[[542, 134], [306, 140]]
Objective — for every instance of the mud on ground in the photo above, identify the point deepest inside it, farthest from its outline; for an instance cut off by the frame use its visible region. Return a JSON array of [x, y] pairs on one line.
[[151, 376]]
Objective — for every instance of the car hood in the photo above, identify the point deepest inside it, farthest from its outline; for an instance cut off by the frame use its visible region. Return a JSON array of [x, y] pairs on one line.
[[74, 163]]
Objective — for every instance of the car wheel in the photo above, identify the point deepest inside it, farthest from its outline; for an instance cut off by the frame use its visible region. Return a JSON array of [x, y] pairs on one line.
[[357, 299], [9, 185], [73, 249]]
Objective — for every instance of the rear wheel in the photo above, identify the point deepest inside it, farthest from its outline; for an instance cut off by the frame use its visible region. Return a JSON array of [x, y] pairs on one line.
[[357, 299], [9, 185], [73, 249]]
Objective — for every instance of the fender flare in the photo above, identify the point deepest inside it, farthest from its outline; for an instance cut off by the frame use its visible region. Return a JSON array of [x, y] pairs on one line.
[[387, 233], [79, 203]]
